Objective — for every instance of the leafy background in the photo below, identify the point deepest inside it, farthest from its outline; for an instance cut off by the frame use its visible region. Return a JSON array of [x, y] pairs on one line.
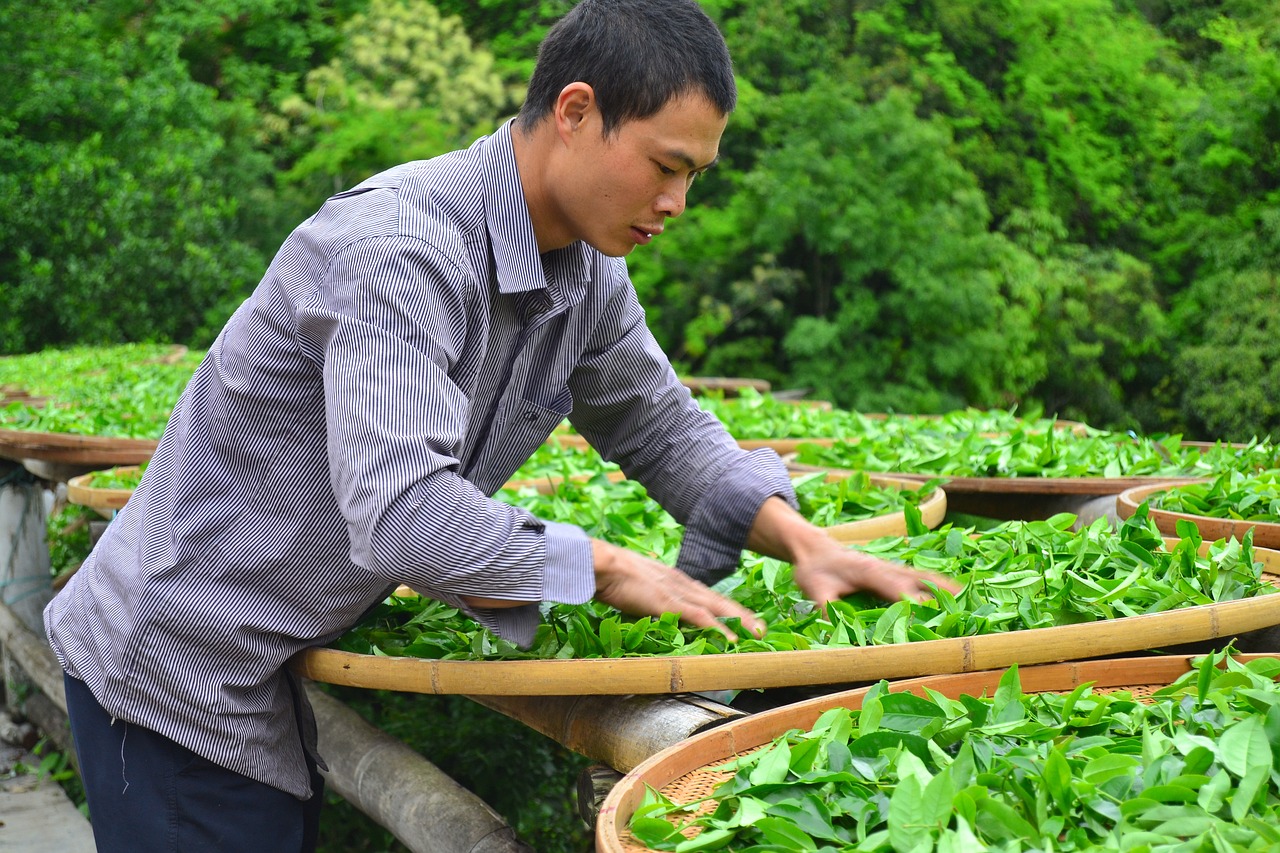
[[1064, 204]]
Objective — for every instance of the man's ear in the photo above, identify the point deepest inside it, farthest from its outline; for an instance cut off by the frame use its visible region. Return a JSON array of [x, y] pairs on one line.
[[574, 107]]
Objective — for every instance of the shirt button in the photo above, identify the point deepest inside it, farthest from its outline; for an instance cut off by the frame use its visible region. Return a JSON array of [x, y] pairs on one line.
[[530, 416]]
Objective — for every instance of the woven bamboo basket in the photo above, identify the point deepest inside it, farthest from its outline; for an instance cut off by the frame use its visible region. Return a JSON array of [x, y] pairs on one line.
[[761, 670], [81, 493], [1018, 486], [687, 770], [783, 446], [1092, 486], [1265, 534]]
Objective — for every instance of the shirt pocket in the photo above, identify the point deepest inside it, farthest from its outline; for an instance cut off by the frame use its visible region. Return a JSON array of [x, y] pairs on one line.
[[521, 427], [532, 421]]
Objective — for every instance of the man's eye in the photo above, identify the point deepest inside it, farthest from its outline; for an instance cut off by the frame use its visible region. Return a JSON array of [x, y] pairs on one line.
[[664, 170]]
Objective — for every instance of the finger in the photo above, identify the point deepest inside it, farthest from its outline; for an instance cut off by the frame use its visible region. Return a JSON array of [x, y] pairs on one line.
[[708, 609]]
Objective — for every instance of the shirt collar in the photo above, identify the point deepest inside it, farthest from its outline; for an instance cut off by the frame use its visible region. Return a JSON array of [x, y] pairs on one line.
[[518, 265]]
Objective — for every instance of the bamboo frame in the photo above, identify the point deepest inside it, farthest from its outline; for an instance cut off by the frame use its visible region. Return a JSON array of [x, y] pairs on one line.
[[79, 492]]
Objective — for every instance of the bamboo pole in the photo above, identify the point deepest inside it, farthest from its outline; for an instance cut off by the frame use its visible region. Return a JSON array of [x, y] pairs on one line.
[[620, 731], [425, 809]]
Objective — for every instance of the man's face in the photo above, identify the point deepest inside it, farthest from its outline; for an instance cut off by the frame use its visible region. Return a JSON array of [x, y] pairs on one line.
[[616, 192]]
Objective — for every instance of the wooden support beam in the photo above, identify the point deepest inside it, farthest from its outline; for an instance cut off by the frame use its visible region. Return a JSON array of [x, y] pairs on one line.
[[30, 651]]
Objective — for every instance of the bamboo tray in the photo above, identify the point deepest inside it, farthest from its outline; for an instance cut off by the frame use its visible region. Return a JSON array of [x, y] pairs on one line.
[[933, 509], [1095, 486], [1052, 486], [686, 771], [787, 446], [1265, 534], [70, 449], [783, 446], [761, 670], [79, 492]]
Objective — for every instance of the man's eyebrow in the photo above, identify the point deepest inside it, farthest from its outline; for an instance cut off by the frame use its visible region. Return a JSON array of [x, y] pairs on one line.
[[689, 162]]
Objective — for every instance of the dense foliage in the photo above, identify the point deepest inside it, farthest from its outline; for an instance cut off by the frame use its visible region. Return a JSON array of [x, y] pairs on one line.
[[1072, 205]]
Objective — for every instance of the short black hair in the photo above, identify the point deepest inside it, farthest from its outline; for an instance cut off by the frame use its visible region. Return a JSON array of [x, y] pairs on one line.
[[636, 54]]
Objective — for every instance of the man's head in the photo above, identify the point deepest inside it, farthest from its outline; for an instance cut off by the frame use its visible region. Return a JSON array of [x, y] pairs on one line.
[[625, 109], [636, 55]]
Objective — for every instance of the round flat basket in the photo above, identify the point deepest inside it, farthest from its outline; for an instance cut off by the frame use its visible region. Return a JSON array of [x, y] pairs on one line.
[[783, 446], [761, 670], [1095, 486], [932, 510], [81, 493], [1265, 534], [688, 770], [69, 449]]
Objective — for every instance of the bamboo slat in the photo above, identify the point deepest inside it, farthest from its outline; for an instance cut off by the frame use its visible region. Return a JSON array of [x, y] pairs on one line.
[[69, 449], [1265, 534], [690, 766], [730, 386]]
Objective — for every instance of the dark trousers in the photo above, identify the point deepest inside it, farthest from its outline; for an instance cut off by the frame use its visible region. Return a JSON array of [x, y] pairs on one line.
[[148, 794]]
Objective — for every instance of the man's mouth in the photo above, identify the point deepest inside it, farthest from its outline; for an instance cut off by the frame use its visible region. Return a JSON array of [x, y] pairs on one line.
[[643, 235]]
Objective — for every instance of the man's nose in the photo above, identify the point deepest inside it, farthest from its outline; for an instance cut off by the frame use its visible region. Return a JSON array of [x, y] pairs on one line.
[[672, 201]]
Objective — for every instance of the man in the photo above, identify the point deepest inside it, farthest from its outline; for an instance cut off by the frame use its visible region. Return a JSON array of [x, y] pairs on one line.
[[408, 348]]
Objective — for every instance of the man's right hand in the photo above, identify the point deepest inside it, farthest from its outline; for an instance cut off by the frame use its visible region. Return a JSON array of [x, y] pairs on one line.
[[641, 586]]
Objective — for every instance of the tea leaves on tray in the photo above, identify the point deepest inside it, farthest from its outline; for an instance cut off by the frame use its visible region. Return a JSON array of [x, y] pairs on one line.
[[1012, 771], [1032, 453], [1231, 495], [1016, 576]]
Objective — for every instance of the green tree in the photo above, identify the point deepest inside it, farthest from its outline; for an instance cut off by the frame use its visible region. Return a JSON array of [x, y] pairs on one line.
[[407, 83], [1102, 321], [127, 204], [1227, 384], [510, 29]]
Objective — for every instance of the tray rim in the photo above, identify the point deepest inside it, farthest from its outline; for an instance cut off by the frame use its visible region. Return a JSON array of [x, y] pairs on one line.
[[1266, 534], [79, 491], [75, 449]]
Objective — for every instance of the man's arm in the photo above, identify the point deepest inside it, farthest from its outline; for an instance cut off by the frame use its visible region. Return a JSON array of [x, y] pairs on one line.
[[824, 569]]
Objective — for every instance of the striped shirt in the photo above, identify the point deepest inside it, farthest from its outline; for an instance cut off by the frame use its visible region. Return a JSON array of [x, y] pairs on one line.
[[405, 353]]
